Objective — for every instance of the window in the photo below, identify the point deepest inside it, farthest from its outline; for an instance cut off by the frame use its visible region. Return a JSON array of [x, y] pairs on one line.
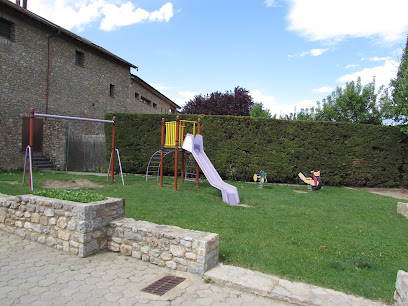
[[79, 58], [155, 105], [112, 90], [136, 95], [6, 28], [145, 101]]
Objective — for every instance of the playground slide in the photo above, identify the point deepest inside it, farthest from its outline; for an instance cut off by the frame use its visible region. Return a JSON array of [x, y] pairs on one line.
[[195, 146]]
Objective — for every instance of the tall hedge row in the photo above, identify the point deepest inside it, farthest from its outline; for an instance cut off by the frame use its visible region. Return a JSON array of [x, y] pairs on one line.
[[346, 154]]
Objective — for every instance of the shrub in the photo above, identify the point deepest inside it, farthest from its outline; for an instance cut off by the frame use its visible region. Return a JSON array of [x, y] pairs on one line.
[[345, 153]]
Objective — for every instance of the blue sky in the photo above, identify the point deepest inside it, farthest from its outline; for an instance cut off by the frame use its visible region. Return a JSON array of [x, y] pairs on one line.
[[287, 53]]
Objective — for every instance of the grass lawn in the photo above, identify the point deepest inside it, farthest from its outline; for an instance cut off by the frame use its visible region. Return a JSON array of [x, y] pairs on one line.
[[347, 240]]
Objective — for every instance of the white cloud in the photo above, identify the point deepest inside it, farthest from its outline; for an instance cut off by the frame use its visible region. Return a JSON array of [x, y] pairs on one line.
[[324, 89], [128, 14], [183, 97], [270, 3], [72, 14], [375, 59], [187, 95], [276, 108], [338, 19], [317, 52], [286, 109], [165, 13], [68, 14], [383, 74], [268, 101], [313, 52], [351, 66]]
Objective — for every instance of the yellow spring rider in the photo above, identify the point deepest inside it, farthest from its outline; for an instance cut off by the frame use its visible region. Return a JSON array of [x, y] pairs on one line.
[[261, 178]]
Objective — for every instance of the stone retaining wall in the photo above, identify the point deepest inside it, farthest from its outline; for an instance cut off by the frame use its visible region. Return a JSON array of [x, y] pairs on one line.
[[402, 209], [78, 228], [171, 246], [86, 228], [401, 291]]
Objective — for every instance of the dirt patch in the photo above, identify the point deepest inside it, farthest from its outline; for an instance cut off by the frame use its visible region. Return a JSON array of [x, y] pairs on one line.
[[243, 205], [398, 193], [72, 184], [300, 191], [11, 182]]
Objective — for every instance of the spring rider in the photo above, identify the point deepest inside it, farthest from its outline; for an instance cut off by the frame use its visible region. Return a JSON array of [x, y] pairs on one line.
[[314, 182], [261, 178]]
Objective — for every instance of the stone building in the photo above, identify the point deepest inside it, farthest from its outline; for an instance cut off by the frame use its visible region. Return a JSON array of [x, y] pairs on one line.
[[51, 69]]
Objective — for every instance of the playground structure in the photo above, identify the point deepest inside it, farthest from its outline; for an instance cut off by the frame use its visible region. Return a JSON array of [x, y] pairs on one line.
[[314, 182], [28, 153], [188, 144], [172, 142], [261, 178]]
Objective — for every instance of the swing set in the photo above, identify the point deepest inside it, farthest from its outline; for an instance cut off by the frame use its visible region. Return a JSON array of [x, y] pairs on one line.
[[29, 153]]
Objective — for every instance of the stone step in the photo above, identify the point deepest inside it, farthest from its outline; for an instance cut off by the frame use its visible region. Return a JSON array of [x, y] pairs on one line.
[[42, 162], [280, 289]]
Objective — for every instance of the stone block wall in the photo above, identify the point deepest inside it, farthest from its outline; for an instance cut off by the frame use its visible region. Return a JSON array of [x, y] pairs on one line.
[[39, 70], [402, 209], [401, 291], [86, 228], [171, 246], [77, 228]]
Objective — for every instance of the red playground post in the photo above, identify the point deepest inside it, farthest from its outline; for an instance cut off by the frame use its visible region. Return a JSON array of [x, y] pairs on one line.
[[183, 157], [113, 151], [176, 152], [197, 166], [162, 152], [30, 143]]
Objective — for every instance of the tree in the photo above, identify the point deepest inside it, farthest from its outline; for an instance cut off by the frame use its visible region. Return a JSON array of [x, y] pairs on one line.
[[399, 91], [258, 111], [351, 103], [237, 103]]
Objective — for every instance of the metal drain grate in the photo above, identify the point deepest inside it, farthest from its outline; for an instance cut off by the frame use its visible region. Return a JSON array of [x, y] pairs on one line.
[[163, 285]]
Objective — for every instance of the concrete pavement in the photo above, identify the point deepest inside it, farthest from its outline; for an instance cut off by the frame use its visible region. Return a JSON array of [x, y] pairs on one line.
[[35, 274]]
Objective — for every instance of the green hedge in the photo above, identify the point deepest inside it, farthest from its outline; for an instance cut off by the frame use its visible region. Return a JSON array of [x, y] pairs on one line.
[[346, 154]]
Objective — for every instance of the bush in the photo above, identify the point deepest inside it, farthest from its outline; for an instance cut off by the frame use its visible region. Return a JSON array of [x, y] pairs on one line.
[[345, 153]]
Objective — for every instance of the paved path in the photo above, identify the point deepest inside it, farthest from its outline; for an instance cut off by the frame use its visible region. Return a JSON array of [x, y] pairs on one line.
[[35, 274]]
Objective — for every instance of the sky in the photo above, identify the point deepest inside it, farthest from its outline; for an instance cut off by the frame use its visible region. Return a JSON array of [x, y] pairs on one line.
[[287, 53]]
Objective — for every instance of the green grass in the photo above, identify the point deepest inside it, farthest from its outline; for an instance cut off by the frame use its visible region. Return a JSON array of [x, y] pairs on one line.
[[80, 196], [347, 240]]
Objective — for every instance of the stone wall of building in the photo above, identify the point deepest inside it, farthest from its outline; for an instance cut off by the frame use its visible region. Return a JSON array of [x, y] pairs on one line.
[[23, 73], [86, 228], [147, 100], [39, 57]]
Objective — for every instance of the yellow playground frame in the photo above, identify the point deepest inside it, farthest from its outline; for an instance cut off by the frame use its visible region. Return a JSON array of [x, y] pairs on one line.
[[171, 132]]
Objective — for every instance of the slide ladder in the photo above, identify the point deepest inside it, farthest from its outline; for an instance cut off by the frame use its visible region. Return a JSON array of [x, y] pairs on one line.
[[153, 167], [196, 147], [190, 168]]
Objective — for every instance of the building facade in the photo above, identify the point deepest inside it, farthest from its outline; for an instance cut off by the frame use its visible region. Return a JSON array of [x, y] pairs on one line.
[[54, 71]]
